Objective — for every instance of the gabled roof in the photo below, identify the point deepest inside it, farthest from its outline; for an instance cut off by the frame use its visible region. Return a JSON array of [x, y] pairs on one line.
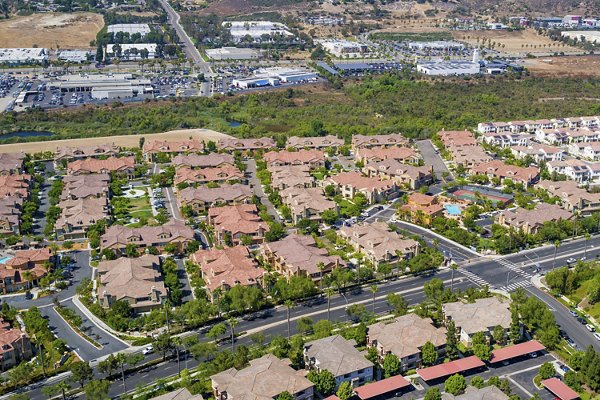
[[337, 355]]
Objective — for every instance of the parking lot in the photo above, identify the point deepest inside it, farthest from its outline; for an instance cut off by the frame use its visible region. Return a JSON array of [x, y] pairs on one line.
[[39, 91]]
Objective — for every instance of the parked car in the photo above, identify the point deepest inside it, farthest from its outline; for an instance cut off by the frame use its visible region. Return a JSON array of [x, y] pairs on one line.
[[148, 350], [597, 335], [571, 260], [590, 328], [581, 320], [573, 313]]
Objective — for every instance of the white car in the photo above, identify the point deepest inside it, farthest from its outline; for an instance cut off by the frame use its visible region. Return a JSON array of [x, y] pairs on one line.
[[597, 335], [148, 350], [590, 328]]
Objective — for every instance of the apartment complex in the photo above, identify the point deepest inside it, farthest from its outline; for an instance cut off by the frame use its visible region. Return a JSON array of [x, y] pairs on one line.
[[174, 232], [349, 184], [481, 316], [153, 147], [230, 223], [201, 199]]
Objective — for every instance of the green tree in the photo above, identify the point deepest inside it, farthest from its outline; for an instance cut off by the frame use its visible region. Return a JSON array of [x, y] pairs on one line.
[[498, 334], [285, 396], [514, 332], [455, 385], [324, 381], [97, 390], [398, 303], [304, 325], [163, 344], [451, 340], [429, 354], [477, 382], [547, 370], [322, 328], [482, 351], [391, 365], [81, 372], [345, 391], [433, 394], [20, 374], [572, 380]]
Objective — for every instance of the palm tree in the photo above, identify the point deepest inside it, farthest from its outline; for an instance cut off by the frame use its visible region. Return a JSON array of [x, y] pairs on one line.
[[556, 245], [289, 304], [374, 290], [321, 267], [232, 322], [27, 277], [176, 344], [121, 360], [587, 238], [62, 387], [453, 267], [329, 292]]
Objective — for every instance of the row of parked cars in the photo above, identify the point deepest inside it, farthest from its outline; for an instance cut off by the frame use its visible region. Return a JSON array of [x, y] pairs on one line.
[[585, 322]]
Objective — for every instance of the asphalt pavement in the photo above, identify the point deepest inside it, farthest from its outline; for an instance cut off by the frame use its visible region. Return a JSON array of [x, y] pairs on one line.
[[432, 157], [258, 189]]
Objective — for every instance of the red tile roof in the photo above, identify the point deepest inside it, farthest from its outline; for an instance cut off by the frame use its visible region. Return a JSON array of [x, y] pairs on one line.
[[558, 388], [515, 351], [382, 387], [451, 368]]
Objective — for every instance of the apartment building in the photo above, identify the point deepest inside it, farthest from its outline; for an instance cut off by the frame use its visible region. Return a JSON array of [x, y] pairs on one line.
[[378, 243], [404, 337], [230, 223], [246, 145], [213, 160], [84, 186], [539, 152], [153, 147], [201, 199], [377, 154], [349, 184], [10, 215], [175, 232], [306, 203], [15, 346], [381, 141], [297, 255], [530, 221], [77, 215], [405, 175], [265, 378], [572, 197], [124, 165], [340, 357], [23, 269], [15, 185], [11, 163], [499, 169], [313, 158], [218, 175], [316, 142], [481, 316], [420, 209], [228, 267], [506, 140], [288, 176], [137, 281], [66, 154]]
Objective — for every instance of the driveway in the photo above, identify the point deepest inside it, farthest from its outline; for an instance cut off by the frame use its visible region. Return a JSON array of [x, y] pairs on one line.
[[172, 203], [258, 189], [432, 158], [186, 287]]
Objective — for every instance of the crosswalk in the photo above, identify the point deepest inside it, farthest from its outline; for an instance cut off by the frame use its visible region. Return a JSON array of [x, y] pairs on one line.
[[516, 285], [513, 267], [472, 277]]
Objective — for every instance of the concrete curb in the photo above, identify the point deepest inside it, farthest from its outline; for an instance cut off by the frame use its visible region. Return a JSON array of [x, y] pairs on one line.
[[96, 321]]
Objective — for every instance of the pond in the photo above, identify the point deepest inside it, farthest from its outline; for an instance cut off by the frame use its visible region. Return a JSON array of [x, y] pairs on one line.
[[235, 124], [25, 134]]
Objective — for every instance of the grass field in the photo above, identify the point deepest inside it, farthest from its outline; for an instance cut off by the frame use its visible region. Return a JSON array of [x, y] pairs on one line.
[[51, 30]]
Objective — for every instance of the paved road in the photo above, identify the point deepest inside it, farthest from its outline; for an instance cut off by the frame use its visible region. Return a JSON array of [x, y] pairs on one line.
[[258, 189], [186, 288], [186, 42], [172, 203], [61, 328], [432, 158]]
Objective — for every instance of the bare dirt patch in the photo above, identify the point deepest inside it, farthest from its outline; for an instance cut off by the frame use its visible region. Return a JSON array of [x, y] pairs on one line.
[[565, 66], [67, 31], [515, 42], [123, 140]]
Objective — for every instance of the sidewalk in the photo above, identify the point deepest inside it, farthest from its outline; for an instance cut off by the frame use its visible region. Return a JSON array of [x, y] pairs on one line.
[[97, 321]]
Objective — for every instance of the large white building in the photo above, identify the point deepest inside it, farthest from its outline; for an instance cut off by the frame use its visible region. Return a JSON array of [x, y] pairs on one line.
[[448, 68], [102, 86], [233, 53], [436, 45], [142, 29], [76, 56], [587, 36], [128, 52], [255, 29], [344, 48], [275, 76], [15, 56]]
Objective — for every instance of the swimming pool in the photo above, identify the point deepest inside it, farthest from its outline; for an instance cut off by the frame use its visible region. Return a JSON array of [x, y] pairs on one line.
[[452, 209], [4, 259]]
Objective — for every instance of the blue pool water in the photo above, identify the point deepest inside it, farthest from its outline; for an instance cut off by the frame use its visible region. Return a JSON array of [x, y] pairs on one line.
[[3, 260], [452, 209], [25, 134], [235, 124]]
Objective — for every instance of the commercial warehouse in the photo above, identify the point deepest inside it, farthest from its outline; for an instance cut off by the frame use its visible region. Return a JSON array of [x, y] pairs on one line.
[[447, 68], [132, 51], [255, 29], [106, 86], [16, 56], [233, 53], [76, 56], [142, 29]]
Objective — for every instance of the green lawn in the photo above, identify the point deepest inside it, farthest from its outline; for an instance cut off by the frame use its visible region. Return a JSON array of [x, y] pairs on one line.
[[580, 293]]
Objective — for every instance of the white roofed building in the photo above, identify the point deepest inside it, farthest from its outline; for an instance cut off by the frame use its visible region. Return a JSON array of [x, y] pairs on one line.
[[16, 56], [142, 29]]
